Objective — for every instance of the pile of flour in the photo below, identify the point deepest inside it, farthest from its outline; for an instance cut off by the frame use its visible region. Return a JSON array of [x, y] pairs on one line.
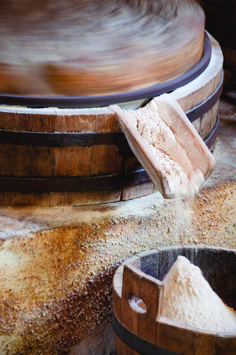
[[188, 298], [163, 145]]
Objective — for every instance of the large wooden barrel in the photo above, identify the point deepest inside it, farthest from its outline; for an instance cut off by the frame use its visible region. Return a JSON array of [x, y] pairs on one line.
[[78, 156], [143, 331]]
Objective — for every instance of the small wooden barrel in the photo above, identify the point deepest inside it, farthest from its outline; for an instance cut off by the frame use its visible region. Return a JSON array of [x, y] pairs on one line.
[[57, 156], [145, 332]]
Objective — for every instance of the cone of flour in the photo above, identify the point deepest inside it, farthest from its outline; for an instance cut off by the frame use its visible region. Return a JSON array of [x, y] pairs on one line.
[[167, 145], [188, 298]]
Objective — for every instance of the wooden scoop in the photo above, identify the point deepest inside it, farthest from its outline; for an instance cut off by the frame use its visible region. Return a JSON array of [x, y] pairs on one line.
[[167, 145]]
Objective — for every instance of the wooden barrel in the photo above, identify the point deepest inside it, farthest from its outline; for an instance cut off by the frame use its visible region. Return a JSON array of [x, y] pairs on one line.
[[58, 156], [146, 333]]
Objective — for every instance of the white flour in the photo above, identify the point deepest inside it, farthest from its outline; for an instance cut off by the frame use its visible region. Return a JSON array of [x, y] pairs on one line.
[[162, 143], [188, 298]]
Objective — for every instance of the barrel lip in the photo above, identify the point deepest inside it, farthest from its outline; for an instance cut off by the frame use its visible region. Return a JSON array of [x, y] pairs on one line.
[[188, 247], [104, 100]]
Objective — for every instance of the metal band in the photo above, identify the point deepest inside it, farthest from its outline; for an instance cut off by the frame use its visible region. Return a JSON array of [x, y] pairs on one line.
[[136, 343], [210, 140], [73, 184], [77, 139], [105, 100]]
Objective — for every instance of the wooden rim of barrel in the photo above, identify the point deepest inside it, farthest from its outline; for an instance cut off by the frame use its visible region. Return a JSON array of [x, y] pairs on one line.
[[146, 332], [94, 129]]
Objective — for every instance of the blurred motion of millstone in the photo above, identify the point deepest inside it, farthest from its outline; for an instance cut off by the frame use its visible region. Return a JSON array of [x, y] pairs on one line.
[[92, 47]]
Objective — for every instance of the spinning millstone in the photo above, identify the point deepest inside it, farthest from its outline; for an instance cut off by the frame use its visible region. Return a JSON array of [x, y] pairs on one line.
[[96, 47]]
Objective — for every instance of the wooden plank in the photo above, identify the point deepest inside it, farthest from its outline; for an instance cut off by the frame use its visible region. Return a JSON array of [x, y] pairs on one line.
[[122, 348], [208, 121], [197, 124], [7, 120], [104, 196], [205, 343], [56, 199], [106, 122], [131, 287], [149, 262], [131, 192], [43, 199], [105, 160], [132, 164], [175, 337], [75, 122], [20, 161], [150, 289], [225, 345], [61, 120], [44, 162]]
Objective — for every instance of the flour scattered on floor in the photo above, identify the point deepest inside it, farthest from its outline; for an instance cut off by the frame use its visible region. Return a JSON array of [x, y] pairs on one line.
[[188, 298]]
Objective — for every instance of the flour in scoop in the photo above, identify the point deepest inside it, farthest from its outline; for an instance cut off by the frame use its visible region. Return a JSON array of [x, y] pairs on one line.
[[173, 160], [189, 299]]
